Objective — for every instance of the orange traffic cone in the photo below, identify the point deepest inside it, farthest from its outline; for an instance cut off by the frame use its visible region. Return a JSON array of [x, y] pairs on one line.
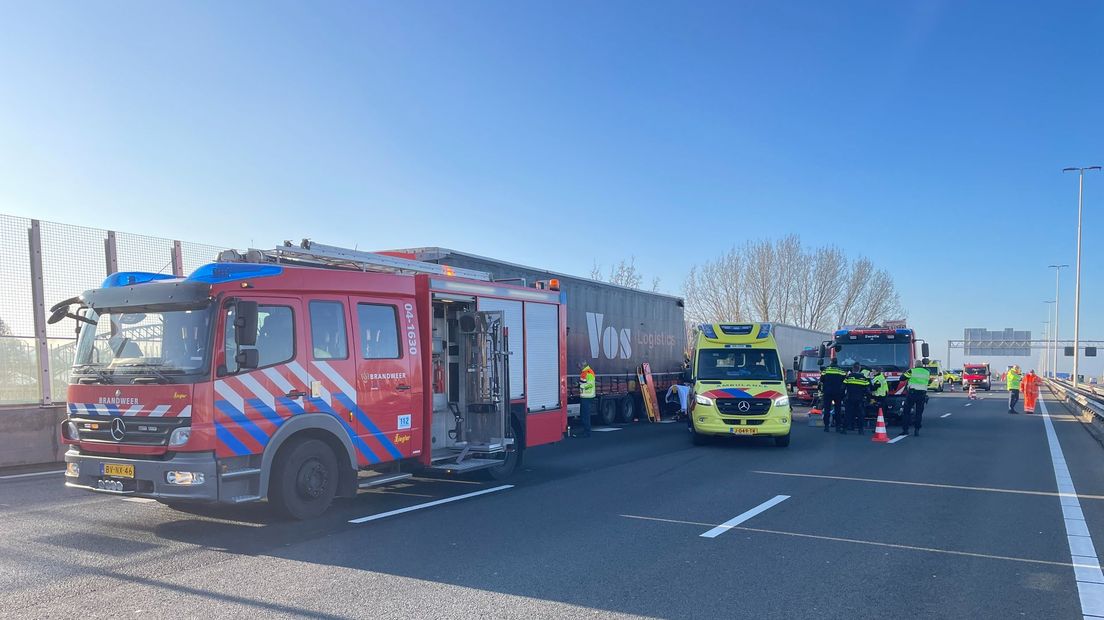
[[973, 392], [880, 430]]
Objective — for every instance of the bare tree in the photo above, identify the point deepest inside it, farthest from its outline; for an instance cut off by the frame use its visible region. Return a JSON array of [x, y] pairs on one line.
[[596, 271], [713, 291], [785, 282], [625, 274]]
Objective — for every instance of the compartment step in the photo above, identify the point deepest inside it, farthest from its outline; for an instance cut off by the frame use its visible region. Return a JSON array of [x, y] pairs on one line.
[[467, 465], [376, 481]]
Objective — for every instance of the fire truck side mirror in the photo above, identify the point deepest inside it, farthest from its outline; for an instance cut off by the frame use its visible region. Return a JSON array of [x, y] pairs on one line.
[[245, 324], [924, 350], [248, 359], [797, 363]]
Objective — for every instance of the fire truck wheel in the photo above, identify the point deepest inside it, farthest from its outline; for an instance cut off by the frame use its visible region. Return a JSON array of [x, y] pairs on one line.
[[627, 407], [607, 411], [512, 461], [304, 479]]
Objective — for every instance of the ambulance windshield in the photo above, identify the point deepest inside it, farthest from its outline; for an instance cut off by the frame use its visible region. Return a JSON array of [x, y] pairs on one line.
[[738, 364]]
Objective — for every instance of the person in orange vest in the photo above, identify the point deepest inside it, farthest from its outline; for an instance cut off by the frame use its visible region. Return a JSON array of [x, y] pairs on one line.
[[1030, 388]]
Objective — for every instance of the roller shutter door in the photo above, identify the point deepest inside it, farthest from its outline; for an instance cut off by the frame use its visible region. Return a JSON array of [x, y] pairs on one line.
[[542, 355]]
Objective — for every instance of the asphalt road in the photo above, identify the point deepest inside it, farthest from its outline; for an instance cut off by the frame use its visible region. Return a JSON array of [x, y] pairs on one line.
[[963, 521]]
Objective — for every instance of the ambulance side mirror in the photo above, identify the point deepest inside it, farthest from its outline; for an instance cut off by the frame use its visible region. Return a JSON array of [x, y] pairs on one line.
[[245, 324], [687, 376]]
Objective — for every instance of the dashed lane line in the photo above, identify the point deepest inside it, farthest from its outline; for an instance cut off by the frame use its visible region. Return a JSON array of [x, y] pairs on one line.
[[740, 518], [945, 415], [607, 429], [391, 513], [931, 485], [1074, 565], [897, 438], [1090, 579]]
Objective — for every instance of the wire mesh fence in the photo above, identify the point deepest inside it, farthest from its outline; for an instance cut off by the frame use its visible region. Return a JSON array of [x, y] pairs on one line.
[[73, 260]]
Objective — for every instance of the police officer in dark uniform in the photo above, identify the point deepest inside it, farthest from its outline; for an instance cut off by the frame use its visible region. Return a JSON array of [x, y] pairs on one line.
[[831, 394], [856, 393]]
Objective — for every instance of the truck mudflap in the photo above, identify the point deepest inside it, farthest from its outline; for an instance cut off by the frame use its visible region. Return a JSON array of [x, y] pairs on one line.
[[187, 476]]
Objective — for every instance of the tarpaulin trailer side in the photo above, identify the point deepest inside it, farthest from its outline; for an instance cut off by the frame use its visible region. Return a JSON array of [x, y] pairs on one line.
[[614, 328]]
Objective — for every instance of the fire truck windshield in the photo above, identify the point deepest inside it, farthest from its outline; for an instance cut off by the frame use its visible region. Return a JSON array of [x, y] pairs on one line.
[[167, 346], [809, 364], [736, 364], [880, 355]]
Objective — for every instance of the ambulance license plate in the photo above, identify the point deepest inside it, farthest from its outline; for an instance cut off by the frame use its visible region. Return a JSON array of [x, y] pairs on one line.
[[118, 471], [743, 430]]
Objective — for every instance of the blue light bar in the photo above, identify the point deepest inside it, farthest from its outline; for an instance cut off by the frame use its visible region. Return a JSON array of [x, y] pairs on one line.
[[709, 332], [904, 331], [764, 330], [130, 278], [216, 273], [841, 332]]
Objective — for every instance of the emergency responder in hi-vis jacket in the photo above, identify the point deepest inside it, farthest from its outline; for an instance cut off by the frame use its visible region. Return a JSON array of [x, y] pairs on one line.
[[880, 388], [587, 388], [913, 412], [831, 394], [1012, 380], [856, 392]]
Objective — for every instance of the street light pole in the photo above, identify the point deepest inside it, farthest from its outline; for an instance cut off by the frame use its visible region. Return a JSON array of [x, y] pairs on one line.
[[1046, 346], [1057, 306], [1077, 282]]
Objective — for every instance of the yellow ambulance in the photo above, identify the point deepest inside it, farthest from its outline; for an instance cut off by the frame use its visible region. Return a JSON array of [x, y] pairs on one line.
[[739, 384]]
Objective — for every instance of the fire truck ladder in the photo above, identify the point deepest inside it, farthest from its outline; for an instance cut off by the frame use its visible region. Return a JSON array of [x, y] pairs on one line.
[[320, 255]]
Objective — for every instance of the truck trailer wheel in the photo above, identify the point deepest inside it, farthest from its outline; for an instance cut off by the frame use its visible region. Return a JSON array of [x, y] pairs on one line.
[[304, 479], [607, 411], [627, 408]]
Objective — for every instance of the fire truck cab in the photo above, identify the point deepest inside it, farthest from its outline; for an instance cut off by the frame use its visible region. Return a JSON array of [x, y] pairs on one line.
[[889, 349], [304, 373]]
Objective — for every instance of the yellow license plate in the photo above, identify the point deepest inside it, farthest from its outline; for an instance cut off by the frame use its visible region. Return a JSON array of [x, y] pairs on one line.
[[743, 430], [118, 471]]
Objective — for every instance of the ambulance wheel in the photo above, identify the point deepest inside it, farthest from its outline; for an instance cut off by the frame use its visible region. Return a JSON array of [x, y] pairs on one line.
[[304, 479], [782, 441], [607, 411], [627, 407]]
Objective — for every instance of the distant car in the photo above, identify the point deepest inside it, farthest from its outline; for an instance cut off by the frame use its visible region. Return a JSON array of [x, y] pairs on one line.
[[952, 376]]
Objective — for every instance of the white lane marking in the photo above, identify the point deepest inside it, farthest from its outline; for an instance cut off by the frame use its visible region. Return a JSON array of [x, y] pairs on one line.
[[139, 500], [968, 404], [391, 513], [667, 421], [897, 438], [606, 429], [37, 473], [740, 518], [944, 415], [1089, 577]]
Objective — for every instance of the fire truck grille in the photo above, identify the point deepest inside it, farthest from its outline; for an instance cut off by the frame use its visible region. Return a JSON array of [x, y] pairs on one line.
[[139, 431], [731, 406]]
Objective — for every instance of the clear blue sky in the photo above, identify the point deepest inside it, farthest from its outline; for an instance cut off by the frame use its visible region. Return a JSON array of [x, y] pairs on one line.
[[927, 135]]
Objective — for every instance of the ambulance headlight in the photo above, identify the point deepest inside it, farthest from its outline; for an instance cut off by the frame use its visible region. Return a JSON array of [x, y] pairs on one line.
[[180, 436], [782, 401], [703, 400]]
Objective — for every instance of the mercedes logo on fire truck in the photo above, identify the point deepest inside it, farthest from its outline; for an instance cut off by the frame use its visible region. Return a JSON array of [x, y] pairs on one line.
[[118, 429], [744, 406]]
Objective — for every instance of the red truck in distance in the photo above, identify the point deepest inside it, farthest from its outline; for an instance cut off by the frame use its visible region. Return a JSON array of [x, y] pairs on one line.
[[976, 375]]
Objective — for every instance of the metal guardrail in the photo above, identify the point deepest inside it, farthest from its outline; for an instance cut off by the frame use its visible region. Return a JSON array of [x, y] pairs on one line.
[[1087, 398]]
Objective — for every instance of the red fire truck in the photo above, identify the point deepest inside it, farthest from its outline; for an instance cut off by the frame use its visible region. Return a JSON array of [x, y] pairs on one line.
[[806, 375], [976, 375], [891, 350], [304, 373]]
